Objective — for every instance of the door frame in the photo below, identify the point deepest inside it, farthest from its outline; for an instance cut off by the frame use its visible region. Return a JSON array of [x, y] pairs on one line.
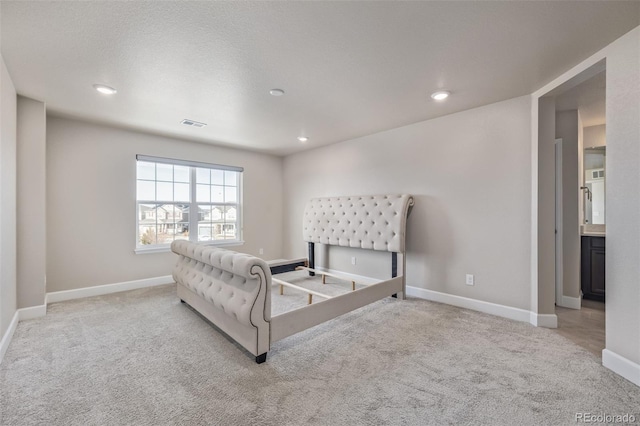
[[542, 187], [559, 230]]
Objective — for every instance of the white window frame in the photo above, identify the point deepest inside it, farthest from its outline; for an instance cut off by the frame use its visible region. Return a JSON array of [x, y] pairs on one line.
[[193, 204]]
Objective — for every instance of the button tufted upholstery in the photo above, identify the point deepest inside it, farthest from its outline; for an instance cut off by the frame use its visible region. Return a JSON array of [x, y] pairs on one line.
[[375, 222], [233, 282]]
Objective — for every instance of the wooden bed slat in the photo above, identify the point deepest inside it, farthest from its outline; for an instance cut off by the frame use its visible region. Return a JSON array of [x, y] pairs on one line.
[[292, 322], [329, 274], [297, 287]]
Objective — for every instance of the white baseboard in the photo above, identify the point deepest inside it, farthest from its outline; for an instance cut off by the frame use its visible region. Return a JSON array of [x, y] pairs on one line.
[[622, 366], [544, 320], [20, 315], [6, 339], [32, 312], [570, 302], [60, 296], [473, 304]]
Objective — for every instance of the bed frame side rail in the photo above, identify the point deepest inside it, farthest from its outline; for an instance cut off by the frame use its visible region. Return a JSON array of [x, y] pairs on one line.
[[292, 322]]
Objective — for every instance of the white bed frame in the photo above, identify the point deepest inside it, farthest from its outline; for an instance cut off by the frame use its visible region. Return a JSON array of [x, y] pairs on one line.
[[233, 290]]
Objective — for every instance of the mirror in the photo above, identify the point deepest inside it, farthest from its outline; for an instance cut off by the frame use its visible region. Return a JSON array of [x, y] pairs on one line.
[[593, 188]]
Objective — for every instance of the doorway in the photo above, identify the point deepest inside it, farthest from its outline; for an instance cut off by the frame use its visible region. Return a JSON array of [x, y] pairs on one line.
[[575, 115]]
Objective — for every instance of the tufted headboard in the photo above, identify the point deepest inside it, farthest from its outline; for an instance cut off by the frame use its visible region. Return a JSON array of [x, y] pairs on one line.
[[375, 222]]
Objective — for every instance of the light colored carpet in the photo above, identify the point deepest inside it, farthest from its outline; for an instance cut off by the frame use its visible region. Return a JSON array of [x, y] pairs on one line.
[[143, 358]]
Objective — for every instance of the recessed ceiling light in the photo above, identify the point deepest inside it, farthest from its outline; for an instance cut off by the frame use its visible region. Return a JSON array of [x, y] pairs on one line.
[[441, 95], [303, 138], [105, 90], [276, 92]]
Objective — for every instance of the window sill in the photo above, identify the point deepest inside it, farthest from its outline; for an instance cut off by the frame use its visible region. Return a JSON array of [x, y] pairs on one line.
[[167, 248]]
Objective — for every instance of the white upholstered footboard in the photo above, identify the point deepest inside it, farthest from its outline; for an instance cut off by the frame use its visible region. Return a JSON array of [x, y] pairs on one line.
[[232, 290]]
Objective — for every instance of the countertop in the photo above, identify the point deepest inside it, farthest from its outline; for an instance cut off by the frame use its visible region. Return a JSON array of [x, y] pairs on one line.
[[593, 234]]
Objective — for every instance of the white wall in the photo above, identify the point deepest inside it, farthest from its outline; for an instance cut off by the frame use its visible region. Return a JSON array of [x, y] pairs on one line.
[[7, 198], [543, 208], [623, 198], [567, 129], [470, 174], [91, 202], [31, 202]]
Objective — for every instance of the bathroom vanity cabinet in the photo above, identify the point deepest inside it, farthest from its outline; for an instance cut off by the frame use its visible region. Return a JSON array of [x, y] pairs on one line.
[[593, 267]]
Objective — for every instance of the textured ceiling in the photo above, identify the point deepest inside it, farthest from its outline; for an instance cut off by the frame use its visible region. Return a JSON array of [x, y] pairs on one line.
[[349, 69]]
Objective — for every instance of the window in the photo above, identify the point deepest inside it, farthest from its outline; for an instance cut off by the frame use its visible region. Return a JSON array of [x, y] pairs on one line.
[[186, 200]]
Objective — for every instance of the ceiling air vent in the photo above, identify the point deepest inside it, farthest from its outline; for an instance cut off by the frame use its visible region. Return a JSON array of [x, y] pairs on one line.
[[192, 123]]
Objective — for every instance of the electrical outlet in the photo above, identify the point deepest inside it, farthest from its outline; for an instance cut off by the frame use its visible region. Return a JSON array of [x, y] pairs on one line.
[[261, 251], [469, 279], [353, 260]]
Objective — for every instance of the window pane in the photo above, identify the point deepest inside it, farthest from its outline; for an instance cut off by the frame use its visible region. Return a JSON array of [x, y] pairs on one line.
[[202, 194], [230, 194], [230, 214], [146, 214], [204, 232], [217, 194], [165, 191], [181, 191], [146, 190], [217, 214], [181, 174], [203, 175], [229, 231], [147, 235], [217, 177], [204, 223], [161, 214], [165, 172], [164, 233], [200, 212], [218, 233], [204, 213], [182, 231], [169, 213], [146, 170], [182, 222], [230, 226], [165, 224], [230, 178]]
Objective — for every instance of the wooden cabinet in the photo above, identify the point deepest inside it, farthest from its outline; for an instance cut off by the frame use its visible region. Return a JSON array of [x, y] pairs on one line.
[[592, 268]]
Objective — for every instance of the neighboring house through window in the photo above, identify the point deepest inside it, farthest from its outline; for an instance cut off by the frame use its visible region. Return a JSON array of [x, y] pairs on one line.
[[169, 191]]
